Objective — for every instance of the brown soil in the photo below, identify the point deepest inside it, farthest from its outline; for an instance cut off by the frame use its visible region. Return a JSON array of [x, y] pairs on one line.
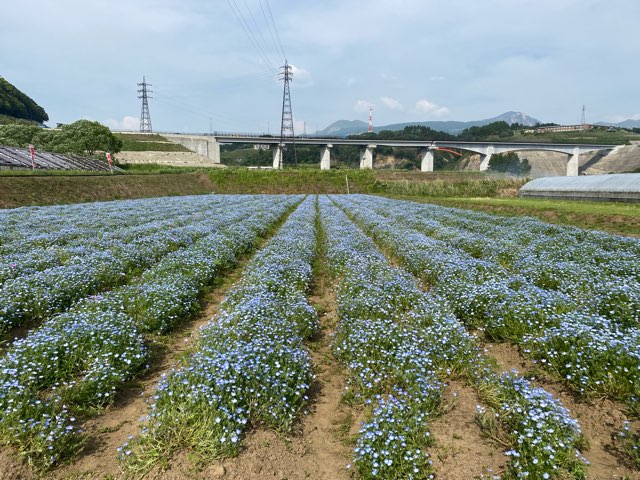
[[461, 452], [600, 419]]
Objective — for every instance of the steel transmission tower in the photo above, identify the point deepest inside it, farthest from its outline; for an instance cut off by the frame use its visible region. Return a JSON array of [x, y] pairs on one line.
[[286, 127], [583, 120], [145, 118]]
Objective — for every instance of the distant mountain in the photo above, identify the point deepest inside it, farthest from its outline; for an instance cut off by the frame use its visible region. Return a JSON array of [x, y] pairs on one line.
[[338, 128], [342, 128], [624, 124]]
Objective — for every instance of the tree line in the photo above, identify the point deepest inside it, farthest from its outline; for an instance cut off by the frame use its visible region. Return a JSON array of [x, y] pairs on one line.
[[83, 137]]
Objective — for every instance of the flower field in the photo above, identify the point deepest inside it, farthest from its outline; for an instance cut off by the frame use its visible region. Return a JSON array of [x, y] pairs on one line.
[[420, 295]]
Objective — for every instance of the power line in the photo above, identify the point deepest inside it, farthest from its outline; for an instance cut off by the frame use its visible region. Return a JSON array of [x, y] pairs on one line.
[[243, 23], [273, 30], [257, 28]]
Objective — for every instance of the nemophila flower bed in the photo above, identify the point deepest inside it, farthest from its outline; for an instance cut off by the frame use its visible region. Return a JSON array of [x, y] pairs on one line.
[[75, 361], [592, 354], [248, 365], [509, 304], [41, 294], [598, 271], [395, 341], [117, 241], [503, 399], [545, 437], [23, 230]]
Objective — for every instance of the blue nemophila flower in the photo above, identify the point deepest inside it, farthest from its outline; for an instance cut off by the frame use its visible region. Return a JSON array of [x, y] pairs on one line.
[[248, 364], [78, 359]]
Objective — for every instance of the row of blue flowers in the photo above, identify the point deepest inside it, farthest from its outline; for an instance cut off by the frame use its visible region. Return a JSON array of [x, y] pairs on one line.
[[248, 365], [395, 342], [74, 363], [102, 261], [543, 447], [36, 238], [563, 329]]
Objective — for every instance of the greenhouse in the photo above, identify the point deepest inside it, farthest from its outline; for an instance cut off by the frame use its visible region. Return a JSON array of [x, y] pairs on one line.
[[620, 187]]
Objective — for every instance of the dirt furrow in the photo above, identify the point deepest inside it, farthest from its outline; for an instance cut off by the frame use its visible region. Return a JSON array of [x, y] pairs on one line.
[[317, 448], [461, 451]]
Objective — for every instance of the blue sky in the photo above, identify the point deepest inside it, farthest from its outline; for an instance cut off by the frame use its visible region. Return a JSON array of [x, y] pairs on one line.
[[411, 60]]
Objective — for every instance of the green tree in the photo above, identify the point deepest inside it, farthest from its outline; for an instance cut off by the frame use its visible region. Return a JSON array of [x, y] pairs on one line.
[[491, 131], [509, 163], [18, 135], [85, 137]]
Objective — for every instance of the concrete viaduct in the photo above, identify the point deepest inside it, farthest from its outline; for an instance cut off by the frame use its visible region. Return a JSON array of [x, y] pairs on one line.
[[209, 147]]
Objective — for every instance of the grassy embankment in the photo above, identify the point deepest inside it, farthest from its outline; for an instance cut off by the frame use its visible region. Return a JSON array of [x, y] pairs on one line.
[[619, 218], [462, 190], [148, 142]]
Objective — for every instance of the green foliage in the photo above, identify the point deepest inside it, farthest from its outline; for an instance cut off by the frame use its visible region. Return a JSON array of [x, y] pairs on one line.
[[18, 135], [16, 104], [509, 163], [82, 137], [471, 187], [492, 131], [85, 138]]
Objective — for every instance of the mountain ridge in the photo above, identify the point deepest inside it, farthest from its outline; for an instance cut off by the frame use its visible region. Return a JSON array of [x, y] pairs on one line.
[[352, 127]]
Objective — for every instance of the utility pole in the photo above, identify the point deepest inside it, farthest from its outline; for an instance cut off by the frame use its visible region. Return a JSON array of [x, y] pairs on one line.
[[286, 126], [145, 118]]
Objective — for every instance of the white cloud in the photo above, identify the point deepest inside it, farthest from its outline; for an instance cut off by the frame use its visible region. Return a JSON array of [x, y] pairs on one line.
[[301, 76], [425, 106], [362, 106], [391, 103], [127, 123]]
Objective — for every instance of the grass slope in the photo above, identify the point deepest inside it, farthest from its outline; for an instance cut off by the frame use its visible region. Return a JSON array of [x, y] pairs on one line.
[[619, 218], [18, 191], [462, 190]]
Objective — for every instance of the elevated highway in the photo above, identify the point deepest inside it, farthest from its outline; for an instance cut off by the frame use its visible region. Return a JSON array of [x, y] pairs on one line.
[[209, 147]]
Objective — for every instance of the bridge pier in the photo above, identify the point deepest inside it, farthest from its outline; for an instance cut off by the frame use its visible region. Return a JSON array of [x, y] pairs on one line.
[[325, 157], [426, 164], [486, 158], [276, 151], [366, 157], [573, 163]]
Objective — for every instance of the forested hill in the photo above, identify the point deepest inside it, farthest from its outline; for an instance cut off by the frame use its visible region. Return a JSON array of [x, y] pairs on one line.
[[16, 104]]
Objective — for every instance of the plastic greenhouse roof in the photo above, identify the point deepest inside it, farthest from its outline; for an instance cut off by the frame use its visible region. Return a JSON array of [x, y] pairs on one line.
[[619, 182]]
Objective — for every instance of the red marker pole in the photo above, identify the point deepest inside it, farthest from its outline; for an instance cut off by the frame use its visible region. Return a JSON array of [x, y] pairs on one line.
[[32, 151]]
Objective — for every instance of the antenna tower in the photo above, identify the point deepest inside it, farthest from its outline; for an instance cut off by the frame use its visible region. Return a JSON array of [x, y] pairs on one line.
[[370, 129], [286, 127], [583, 120], [145, 118]]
